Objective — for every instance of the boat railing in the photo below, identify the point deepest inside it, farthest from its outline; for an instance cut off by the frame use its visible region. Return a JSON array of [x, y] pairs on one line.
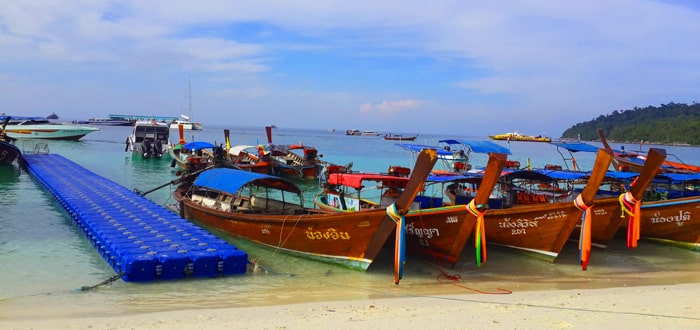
[[30, 146]]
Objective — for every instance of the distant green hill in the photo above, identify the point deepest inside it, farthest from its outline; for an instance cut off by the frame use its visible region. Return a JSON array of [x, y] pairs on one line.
[[673, 123]]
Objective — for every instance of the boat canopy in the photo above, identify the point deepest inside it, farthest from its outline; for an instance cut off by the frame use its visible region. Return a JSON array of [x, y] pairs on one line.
[[677, 177], [483, 147], [354, 180], [232, 180], [198, 145], [623, 176], [576, 146], [442, 178], [235, 150], [419, 147]]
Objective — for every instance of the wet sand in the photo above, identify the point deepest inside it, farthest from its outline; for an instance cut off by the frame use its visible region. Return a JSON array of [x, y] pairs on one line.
[[669, 307], [653, 286]]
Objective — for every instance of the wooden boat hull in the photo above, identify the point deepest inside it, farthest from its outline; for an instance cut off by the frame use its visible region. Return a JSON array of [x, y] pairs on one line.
[[438, 234], [540, 230], [309, 172], [675, 221], [351, 240], [400, 138], [8, 153]]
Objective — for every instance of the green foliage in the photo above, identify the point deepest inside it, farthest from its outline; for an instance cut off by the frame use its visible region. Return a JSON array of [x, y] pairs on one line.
[[673, 123]]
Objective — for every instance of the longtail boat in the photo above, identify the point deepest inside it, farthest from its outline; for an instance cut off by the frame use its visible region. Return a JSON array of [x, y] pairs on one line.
[[672, 218], [276, 159], [542, 229], [269, 210], [634, 162], [434, 229], [8, 151]]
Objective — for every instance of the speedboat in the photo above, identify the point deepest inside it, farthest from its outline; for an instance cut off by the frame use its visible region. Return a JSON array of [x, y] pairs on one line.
[[149, 139], [186, 124], [20, 127]]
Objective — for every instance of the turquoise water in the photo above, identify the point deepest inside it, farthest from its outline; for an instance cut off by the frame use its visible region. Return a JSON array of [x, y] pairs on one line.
[[45, 260]]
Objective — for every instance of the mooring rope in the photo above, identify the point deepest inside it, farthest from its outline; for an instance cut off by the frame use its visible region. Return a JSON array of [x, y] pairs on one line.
[[107, 281]]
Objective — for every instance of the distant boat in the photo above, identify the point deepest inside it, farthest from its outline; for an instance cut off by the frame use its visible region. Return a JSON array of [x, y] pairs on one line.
[[399, 137], [53, 115], [520, 137], [184, 120], [41, 128], [107, 122], [358, 132]]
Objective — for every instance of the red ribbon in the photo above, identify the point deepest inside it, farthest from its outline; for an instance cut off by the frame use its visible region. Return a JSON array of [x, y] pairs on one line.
[[627, 202], [584, 241]]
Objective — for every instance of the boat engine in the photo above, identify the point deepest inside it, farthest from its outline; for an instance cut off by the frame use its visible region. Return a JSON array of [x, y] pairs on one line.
[[146, 149], [158, 150]]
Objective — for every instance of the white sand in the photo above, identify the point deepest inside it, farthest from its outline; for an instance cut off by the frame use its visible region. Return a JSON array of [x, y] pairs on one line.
[[663, 307]]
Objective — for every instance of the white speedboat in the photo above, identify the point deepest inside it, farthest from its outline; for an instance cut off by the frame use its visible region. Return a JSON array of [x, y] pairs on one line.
[[186, 124], [149, 139], [20, 127]]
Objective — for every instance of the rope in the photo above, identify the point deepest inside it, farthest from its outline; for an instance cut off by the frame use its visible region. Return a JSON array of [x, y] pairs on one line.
[[107, 281], [282, 242], [458, 278], [584, 241], [631, 207], [479, 232]]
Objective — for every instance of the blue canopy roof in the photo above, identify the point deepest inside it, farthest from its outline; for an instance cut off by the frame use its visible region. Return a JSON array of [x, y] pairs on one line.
[[564, 175], [624, 176], [232, 180], [678, 177], [483, 147], [576, 146], [419, 147], [440, 178], [198, 145]]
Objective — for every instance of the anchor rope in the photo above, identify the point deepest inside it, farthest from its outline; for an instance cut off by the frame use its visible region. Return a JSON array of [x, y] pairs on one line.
[[105, 282]]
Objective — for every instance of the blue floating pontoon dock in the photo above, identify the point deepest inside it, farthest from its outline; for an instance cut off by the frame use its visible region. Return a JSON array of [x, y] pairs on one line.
[[140, 239]]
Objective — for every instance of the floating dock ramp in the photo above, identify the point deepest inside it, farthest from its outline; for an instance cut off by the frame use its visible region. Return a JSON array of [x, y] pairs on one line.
[[140, 239]]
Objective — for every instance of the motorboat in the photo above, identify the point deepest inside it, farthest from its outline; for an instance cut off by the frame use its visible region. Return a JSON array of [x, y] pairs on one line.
[[149, 139], [21, 127], [186, 123]]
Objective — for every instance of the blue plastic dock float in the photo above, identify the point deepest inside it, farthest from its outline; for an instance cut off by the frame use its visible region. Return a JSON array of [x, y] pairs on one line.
[[140, 239]]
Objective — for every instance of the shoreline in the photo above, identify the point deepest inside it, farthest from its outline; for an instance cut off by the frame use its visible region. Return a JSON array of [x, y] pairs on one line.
[[668, 306]]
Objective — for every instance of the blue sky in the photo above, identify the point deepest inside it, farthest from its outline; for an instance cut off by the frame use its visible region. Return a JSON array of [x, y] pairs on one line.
[[448, 67]]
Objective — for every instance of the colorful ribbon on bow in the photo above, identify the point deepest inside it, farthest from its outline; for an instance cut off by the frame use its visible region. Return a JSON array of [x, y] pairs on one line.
[[631, 207], [479, 233], [584, 241], [400, 244]]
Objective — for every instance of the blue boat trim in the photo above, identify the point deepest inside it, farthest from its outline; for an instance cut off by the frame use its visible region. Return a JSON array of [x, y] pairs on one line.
[[138, 238]]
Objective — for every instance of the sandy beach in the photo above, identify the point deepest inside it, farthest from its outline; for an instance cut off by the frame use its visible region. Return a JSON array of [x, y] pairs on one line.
[[667, 306]]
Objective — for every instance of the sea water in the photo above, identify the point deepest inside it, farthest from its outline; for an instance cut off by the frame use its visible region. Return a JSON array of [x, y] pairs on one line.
[[46, 261]]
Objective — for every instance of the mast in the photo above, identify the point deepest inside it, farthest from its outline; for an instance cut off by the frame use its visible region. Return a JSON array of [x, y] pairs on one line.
[[189, 89]]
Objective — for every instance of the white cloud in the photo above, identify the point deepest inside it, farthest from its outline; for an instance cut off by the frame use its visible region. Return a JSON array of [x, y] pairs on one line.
[[390, 107], [539, 57]]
